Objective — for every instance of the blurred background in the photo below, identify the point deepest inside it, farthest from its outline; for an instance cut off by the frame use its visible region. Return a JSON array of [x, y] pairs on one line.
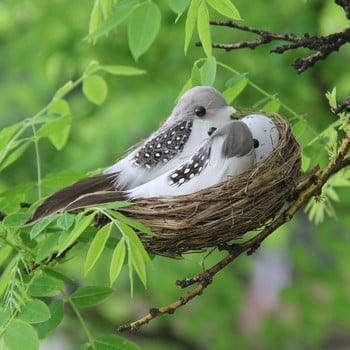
[[294, 293]]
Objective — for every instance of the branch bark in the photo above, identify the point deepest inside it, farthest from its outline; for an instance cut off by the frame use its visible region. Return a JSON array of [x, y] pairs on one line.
[[322, 45]]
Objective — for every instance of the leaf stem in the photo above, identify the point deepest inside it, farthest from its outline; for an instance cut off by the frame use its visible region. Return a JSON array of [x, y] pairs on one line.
[[80, 318], [262, 91], [38, 161]]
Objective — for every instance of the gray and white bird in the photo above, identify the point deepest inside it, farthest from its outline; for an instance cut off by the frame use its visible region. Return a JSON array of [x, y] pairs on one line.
[[198, 110], [228, 152], [265, 134]]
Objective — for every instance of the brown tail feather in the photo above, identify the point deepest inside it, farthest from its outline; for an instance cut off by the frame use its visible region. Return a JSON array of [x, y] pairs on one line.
[[96, 198], [62, 198]]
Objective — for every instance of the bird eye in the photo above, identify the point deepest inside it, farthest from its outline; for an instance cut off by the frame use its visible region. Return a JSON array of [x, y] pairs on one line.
[[211, 130], [256, 143], [200, 111]]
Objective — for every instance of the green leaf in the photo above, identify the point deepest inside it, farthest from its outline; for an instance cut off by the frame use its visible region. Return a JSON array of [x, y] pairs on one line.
[[196, 78], [225, 7], [272, 106], [65, 221], [6, 276], [299, 128], [116, 205], [190, 22], [208, 71], [7, 133], [57, 130], [21, 335], [113, 342], [95, 89], [56, 309], [43, 286], [5, 252], [340, 181], [91, 295], [332, 98], [95, 17], [40, 226], [19, 148], [68, 238], [131, 234], [4, 316], [332, 194], [117, 261], [143, 27], [59, 107], [48, 247], [120, 14], [123, 70], [15, 220], [92, 67], [203, 27], [27, 241], [57, 275], [179, 6], [135, 224], [137, 253], [34, 311], [62, 91], [235, 86], [137, 261], [10, 200], [96, 247]]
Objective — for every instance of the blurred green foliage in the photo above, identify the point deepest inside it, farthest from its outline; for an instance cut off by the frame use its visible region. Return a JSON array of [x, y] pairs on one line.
[[42, 47]]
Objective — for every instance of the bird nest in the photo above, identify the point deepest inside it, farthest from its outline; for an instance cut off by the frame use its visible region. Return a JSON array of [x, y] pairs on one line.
[[226, 211]]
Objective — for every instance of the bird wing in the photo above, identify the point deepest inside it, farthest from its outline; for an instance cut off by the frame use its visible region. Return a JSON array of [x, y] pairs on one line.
[[63, 197], [156, 156]]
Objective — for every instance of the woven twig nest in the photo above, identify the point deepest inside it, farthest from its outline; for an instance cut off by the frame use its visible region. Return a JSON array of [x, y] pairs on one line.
[[226, 211]]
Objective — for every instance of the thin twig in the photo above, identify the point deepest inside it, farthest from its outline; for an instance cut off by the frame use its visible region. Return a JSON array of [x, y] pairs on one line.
[[322, 45], [345, 106]]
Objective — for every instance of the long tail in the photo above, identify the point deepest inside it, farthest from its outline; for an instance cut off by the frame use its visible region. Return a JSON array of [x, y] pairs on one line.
[[96, 198], [62, 198]]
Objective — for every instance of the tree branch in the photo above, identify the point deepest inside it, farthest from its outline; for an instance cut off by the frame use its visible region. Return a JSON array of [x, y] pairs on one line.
[[322, 45], [307, 188]]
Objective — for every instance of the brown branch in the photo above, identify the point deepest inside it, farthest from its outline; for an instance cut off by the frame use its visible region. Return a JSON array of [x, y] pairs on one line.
[[322, 45], [168, 309], [309, 187]]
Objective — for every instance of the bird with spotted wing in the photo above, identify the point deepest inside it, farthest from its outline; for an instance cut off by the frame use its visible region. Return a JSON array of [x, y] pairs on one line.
[[199, 109], [228, 152]]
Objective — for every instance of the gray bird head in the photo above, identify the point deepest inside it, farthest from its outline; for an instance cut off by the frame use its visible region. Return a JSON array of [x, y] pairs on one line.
[[199, 102], [238, 139]]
